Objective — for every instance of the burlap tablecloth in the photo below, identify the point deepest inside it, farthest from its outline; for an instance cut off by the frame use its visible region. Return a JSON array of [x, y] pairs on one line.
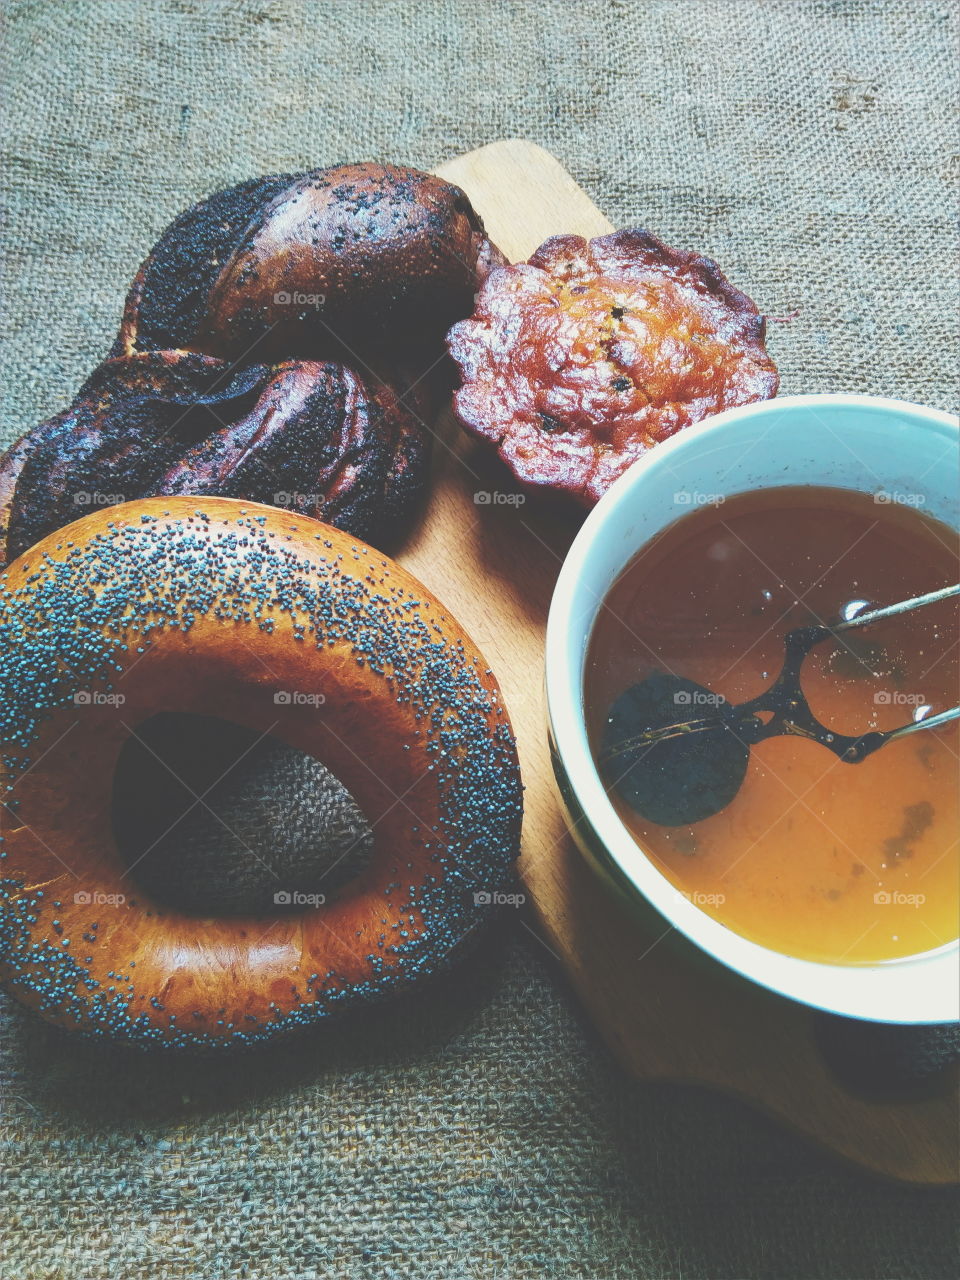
[[477, 1130]]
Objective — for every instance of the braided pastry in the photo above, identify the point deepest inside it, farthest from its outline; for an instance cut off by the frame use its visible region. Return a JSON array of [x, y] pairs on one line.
[[278, 344]]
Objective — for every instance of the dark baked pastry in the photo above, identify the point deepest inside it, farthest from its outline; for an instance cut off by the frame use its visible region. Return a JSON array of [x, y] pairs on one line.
[[331, 263], [279, 344], [577, 362]]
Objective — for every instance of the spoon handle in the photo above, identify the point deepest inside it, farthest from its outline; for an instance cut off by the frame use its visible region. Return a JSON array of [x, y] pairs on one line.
[[858, 749], [931, 722], [892, 610]]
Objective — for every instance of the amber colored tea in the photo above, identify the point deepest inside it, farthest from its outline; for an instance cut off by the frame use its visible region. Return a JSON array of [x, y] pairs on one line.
[[813, 857]]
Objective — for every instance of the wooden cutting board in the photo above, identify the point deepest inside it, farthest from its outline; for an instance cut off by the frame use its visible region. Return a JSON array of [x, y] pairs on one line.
[[667, 1013]]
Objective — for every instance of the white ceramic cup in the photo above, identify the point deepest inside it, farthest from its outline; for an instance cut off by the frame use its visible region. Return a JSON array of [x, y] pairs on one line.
[[856, 442]]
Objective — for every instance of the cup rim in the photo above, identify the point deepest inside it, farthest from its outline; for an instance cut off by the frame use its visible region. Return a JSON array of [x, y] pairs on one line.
[[916, 989]]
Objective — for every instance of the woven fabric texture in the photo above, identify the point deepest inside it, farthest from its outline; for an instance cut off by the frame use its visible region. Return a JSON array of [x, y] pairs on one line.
[[476, 1130]]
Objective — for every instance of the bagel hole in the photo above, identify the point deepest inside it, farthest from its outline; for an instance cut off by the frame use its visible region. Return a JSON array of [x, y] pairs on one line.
[[214, 819]]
